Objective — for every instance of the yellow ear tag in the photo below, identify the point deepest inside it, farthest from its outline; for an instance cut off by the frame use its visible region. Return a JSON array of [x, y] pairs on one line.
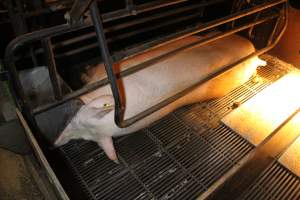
[[106, 105]]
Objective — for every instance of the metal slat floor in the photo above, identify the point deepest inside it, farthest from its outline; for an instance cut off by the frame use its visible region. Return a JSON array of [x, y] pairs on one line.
[[179, 157], [276, 182]]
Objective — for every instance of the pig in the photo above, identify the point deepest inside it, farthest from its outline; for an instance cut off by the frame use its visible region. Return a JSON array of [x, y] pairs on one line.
[[95, 120]]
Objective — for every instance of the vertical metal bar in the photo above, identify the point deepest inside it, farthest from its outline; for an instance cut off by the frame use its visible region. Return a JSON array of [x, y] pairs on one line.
[[108, 63], [130, 6], [52, 68], [15, 16], [250, 32], [271, 37]]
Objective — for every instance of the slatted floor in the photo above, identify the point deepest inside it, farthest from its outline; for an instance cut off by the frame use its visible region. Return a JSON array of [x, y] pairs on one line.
[[178, 157], [276, 182]]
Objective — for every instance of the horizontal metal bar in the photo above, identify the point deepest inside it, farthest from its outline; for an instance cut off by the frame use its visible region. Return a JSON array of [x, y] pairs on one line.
[[3, 11], [62, 5], [157, 4], [138, 21], [143, 114], [191, 31], [154, 26], [136, 68], [139, 9], [178, 35], [31, 37], [60, 29]]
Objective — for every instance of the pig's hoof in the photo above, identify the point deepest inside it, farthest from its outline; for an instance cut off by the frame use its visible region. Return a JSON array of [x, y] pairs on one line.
[[116, 161]]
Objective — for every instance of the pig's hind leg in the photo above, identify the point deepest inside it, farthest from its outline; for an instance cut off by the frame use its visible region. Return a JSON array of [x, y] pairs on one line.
[[106, 143]]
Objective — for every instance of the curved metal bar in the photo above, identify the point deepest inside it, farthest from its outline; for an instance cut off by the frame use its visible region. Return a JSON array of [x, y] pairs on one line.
[[141, 66], [108, 63], [120, 106], [119, 114]]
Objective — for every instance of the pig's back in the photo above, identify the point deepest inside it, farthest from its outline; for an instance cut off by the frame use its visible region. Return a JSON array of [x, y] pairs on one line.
[[161, 80]]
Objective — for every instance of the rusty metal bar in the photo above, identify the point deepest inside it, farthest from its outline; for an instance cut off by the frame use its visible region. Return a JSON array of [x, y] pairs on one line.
[[52, 68]]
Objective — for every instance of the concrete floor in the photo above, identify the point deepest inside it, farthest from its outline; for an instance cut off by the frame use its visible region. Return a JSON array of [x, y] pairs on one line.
[[16, 181]]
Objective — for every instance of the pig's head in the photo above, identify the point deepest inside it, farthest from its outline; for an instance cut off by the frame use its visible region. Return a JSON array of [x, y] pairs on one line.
[[87, 122]]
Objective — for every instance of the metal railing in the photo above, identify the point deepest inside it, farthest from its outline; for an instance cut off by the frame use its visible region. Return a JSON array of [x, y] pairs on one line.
[[278, 14]]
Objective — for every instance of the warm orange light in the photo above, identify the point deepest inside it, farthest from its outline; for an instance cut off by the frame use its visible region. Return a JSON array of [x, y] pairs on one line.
[[291, 157], [261, 115]]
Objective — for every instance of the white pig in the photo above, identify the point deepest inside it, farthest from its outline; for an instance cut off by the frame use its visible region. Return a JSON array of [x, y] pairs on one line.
[[147, 87]]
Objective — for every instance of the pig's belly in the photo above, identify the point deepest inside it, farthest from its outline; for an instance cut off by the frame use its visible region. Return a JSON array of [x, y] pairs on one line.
[[216, 87]]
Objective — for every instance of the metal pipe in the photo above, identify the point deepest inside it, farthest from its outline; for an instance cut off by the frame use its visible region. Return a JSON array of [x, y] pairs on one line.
[[52, 68], [25, 39], [141, 66], [106, 17], [191, 31], [178, 35], [60, 29], [271, 37], [108, 63], [138, 21], [143, 114], [154, 26]]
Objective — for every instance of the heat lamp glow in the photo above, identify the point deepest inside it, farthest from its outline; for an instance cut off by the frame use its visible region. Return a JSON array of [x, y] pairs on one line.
[[291, 157], [260, 116]]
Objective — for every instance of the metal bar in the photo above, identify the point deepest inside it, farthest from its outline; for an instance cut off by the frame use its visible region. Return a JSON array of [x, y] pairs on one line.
[[139, 9], [18, 23], [160, 105], [179, 35], [79, 7], [52, 68], [108, 63], [136, 68], [157, 4], [138, 21], [130, 6], [28, 38], [154, 26], [274, 31], [59, 190], [125, 123], [60, 29], [191, 31], [50, 8]]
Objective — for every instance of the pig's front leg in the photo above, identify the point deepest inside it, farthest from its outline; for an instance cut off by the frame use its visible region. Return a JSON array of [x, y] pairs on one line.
[[106, 143]]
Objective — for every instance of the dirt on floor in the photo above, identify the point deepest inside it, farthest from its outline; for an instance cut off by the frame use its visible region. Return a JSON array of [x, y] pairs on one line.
[[16, 182]]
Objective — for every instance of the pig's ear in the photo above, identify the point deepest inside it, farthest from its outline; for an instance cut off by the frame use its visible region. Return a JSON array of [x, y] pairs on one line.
[[102, 105]]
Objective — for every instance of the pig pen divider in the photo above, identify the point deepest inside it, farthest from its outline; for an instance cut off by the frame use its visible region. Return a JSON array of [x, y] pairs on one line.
[[265, 13]]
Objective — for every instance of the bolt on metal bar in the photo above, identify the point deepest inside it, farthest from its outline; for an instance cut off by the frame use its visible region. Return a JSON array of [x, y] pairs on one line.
[[52, 68]]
